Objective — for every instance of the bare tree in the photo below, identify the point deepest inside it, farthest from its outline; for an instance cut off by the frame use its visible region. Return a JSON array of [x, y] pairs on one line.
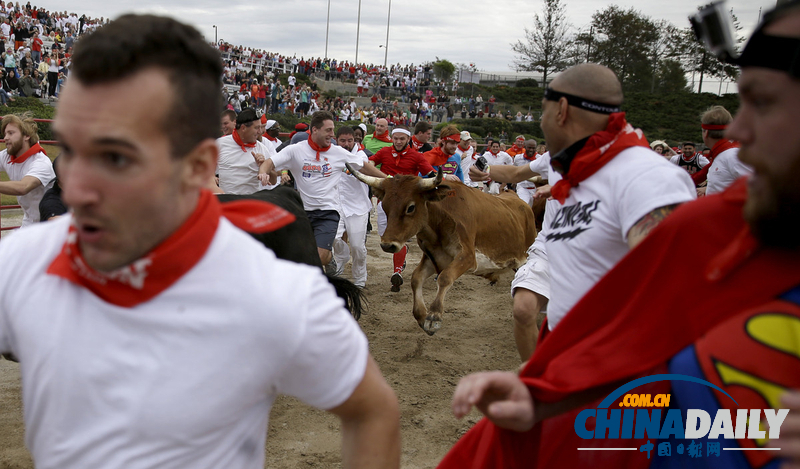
[[546, 45]]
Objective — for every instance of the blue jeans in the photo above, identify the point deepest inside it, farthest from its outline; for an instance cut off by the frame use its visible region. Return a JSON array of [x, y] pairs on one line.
[[3, 96]]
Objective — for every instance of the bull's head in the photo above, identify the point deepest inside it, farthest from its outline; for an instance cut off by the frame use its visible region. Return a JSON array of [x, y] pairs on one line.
[[404, 199]]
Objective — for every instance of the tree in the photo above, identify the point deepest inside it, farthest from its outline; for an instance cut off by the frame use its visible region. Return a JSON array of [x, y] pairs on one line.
[[546, 45], [443, 69], [624, 43], [696, 59]]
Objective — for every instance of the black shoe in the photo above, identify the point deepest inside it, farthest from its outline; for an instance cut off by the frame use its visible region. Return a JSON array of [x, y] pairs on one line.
[[397, 280]]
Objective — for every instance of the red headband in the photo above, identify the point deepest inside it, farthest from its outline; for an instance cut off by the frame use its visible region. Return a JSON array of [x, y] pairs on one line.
[[454, 137], [714, 127]]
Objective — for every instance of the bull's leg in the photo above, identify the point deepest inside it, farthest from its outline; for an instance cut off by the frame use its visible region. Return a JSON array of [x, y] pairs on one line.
[[462, 263], [424, 270]]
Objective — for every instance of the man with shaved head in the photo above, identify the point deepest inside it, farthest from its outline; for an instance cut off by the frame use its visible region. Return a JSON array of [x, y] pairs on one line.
[[612, 189], [380, 138]]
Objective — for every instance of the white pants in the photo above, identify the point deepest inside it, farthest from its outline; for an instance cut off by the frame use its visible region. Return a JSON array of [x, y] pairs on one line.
[[526, 194], [492, 188], [356, 227]]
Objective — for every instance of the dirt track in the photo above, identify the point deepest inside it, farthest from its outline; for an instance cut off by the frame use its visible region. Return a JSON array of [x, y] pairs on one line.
[[475, 335]]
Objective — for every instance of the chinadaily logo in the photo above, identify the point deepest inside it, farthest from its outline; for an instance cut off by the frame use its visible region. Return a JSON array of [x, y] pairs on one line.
[[687, 432]]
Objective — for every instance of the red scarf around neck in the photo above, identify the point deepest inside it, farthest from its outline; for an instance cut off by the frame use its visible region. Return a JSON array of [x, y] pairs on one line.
[[606, 338], [525, 155], [384, 137], [34, 149], [271, 139], [416, 143], [599, 150], [317, 148], [238, 140], [719, 147], [143, 279], [404, 152], [436, 157]]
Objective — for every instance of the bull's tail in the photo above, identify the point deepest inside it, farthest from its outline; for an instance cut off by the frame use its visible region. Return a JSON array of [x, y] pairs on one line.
[[353, 297]]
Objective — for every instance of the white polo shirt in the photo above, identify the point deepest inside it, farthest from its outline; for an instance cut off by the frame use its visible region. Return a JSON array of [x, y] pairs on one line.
[[725, 169], [237, 169], [316, 180], [588, 234], [38, 166], [186, 379], [501, 158]]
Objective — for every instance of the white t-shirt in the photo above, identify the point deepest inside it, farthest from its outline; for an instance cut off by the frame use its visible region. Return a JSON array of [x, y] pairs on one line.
[[237, 169], [588, 235], [467, 161], [38, 166], [520, 160], [272, 146], [501, 158], [354, 194], [541, 165], [316, 180], [725, 169], [186, 379]]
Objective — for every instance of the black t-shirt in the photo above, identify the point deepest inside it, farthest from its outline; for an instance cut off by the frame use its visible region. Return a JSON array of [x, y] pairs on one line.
[[51, 204]]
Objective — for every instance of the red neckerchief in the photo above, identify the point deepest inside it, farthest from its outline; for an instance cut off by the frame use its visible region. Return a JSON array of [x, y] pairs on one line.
[[142, 280], [416, 143], [694, 155], [317, 148], [403, 152], [238, 140], [436, 157], [525, 155], [384, 137], [599, 150], [493, 153], [605, 338], [719, 147], [36, 148], [271, 139], [360, 146]]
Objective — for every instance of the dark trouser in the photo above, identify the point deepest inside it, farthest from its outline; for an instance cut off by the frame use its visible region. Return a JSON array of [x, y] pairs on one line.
[[52, 82]]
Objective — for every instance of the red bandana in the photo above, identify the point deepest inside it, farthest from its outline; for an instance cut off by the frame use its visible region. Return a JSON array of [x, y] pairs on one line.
[[317, 148], [404, 152], [493, 153], [36, 148], [719, 147], [144, 279], [416, 143], [271, 139], [361, 147], [525, 155], [690, 159], [238, 140], [436, 157], [384, 137], [599, 150]]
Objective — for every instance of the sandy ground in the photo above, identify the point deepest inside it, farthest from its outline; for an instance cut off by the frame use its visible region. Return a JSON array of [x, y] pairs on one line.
[[476, 335]]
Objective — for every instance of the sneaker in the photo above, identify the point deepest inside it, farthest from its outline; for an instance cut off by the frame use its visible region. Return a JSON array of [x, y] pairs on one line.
[[397, 280]]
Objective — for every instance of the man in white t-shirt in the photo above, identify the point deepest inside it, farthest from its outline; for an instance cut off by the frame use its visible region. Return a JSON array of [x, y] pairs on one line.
[[151, 332], [353, 215], [240, 154], [496, 157], [617, 194], [526, 189], [317, 167], [29, 170], [725, 164], [465, 151]]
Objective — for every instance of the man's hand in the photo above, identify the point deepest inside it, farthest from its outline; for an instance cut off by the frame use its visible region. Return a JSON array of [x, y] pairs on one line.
[[701, 191], [789, 441], [476, 174], [500, 396], [258, 157], [452, 177], [285, 178], [542, 191]]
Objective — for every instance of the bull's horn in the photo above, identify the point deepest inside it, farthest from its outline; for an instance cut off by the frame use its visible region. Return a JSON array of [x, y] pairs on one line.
[[371, 181], [432, 183], [536, 179]]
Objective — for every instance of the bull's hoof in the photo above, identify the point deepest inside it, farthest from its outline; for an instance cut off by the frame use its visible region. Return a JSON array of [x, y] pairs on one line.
[[397, 280], [432, 324]]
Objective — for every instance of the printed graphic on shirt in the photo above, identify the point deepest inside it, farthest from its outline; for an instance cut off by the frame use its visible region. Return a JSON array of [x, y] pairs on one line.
[[572, 220], [317, 167]]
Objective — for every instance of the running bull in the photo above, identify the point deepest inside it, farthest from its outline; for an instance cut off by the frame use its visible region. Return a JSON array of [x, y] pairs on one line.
[[458, 228]]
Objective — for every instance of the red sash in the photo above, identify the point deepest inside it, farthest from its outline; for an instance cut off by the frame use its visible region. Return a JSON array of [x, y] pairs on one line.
[[599, 150]]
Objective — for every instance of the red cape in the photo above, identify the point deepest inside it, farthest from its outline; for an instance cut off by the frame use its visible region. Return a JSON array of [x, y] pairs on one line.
[[697, 269]]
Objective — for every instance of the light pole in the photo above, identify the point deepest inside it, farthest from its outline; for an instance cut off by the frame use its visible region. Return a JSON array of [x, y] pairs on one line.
[[215, 35], [327, 29], [388, 18], [358, 29]]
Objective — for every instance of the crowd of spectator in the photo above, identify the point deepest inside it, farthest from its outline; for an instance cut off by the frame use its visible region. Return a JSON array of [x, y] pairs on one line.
[[35, 49]]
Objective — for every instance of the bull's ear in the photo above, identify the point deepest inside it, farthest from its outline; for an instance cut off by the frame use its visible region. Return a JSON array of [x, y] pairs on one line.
[[439, 193]]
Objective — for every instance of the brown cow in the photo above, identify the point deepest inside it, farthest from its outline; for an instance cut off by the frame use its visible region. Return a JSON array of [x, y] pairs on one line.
[[458, 228]]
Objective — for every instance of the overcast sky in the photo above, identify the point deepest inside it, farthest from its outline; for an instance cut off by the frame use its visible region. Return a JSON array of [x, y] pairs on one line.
[[467, 31]]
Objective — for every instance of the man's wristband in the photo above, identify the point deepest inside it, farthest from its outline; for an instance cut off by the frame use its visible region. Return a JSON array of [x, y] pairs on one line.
[[285, 171], [488, 169]]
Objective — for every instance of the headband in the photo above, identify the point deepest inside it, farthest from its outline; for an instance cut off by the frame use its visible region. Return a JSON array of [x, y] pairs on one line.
[[583, 103], [401, 131], [454, 137], [714, 127]]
